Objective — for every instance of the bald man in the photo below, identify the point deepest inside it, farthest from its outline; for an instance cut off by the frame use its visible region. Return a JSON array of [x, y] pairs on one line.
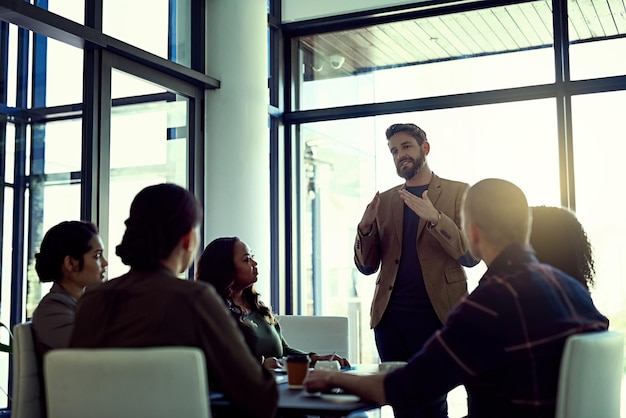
[[505, 340]]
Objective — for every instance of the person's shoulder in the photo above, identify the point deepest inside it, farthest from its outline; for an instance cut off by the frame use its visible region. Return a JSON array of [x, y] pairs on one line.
[[447, 183], [53, 298], [391, 192], [195, 288]]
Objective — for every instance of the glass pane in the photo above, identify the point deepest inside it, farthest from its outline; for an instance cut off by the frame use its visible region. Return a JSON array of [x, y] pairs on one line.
[[597, 29], [500, 47], [598, 161], [10, 154], [57, 201], [64, 63], [62, 146], [54, 191], [597, 118], [345, 162], [69, 9], [149, 145], [11, 83], [5, 286], [161, 30]]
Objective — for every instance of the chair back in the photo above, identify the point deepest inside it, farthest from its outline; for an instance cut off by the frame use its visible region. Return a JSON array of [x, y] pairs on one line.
[[161, 382], [318, 334], [28, 399], [590, 376]]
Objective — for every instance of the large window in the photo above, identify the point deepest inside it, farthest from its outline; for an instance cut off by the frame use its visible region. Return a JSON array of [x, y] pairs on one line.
[[490, 84], [83, 130]]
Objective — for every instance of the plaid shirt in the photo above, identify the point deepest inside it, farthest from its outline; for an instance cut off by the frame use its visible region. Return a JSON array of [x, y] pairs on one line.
[[504, 341]]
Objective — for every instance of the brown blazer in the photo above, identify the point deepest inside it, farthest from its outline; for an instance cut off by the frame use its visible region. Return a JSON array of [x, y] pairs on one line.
[[442, 250], [154, 308]]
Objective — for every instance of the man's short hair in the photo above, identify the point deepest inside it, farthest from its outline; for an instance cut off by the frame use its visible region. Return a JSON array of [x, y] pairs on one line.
[[500, 209], [410, 128]]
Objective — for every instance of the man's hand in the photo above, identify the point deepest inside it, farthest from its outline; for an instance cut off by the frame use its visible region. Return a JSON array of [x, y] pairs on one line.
[[422, 206], [369, 216]]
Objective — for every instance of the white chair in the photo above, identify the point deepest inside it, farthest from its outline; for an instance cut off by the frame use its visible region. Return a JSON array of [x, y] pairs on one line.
[[28, 399], [318, 334], [161, 382], [590, 376]]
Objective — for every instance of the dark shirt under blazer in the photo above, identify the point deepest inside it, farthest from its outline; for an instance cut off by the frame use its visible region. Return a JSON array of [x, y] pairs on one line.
[[504, 341]]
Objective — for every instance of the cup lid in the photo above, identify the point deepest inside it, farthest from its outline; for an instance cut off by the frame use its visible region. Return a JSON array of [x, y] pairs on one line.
[[298, 358]]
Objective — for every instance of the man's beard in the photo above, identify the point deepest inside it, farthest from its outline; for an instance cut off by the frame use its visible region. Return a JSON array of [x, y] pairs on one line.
[[410, 172]]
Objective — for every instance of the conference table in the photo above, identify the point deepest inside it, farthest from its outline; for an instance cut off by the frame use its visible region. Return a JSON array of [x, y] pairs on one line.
[[297, 402]]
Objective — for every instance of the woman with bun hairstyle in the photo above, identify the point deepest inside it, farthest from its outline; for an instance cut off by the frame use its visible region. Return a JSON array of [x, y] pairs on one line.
[[71, 256], [151, 306]]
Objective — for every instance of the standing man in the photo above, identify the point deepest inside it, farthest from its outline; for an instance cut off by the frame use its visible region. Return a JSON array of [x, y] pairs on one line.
[[412, 232], [505, 340]]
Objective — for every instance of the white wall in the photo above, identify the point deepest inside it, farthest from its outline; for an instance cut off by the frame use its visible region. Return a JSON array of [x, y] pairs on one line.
[[294, 10]]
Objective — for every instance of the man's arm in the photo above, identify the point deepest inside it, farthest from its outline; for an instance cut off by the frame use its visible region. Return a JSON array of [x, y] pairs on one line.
[[366, 243], [244, 381], [447, 230], [370, 388]]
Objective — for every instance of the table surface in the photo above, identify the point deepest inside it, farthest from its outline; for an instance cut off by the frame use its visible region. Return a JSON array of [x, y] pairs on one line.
[[299, 402]]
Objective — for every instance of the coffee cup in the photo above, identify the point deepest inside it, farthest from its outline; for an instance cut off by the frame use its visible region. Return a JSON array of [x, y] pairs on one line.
[[297, 369], [389, 366], [327, 365]]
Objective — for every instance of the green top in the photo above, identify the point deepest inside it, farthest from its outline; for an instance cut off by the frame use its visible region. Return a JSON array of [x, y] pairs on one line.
[[263, 338]]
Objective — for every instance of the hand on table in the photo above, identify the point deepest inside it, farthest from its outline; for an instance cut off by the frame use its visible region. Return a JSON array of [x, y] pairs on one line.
[[272, 363], [318, 381]]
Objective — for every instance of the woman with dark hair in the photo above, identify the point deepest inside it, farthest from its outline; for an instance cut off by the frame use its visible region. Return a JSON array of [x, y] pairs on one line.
[[228, 264], [560, 240], [150, 306], [70, 256]]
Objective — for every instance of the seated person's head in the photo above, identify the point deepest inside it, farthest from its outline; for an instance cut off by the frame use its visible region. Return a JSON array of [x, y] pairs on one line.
[[161, 217], [71, 251], [216, 265], [228, 264], [560, 240], [497, 210]]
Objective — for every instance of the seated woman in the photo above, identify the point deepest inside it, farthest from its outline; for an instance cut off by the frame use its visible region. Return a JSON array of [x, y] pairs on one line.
[[229, 266], [151, 306], [560, 240], [71, 256]]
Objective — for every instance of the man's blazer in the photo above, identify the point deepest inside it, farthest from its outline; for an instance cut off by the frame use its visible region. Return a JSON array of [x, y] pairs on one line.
[[442, 250]]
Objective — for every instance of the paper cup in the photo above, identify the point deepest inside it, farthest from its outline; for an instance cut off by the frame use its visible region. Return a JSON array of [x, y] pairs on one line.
[[327, 365], [297, 369]]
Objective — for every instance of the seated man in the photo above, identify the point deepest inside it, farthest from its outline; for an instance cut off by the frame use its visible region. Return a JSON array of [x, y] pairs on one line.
[[504, 341]]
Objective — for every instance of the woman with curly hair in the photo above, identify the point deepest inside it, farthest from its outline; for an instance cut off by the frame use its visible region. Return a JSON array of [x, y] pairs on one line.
[[560, 240], [228, 264]]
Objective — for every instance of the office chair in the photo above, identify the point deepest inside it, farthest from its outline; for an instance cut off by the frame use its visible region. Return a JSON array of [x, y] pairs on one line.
[[318, 334], [590, 376], [28, 399], [160, 382]]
